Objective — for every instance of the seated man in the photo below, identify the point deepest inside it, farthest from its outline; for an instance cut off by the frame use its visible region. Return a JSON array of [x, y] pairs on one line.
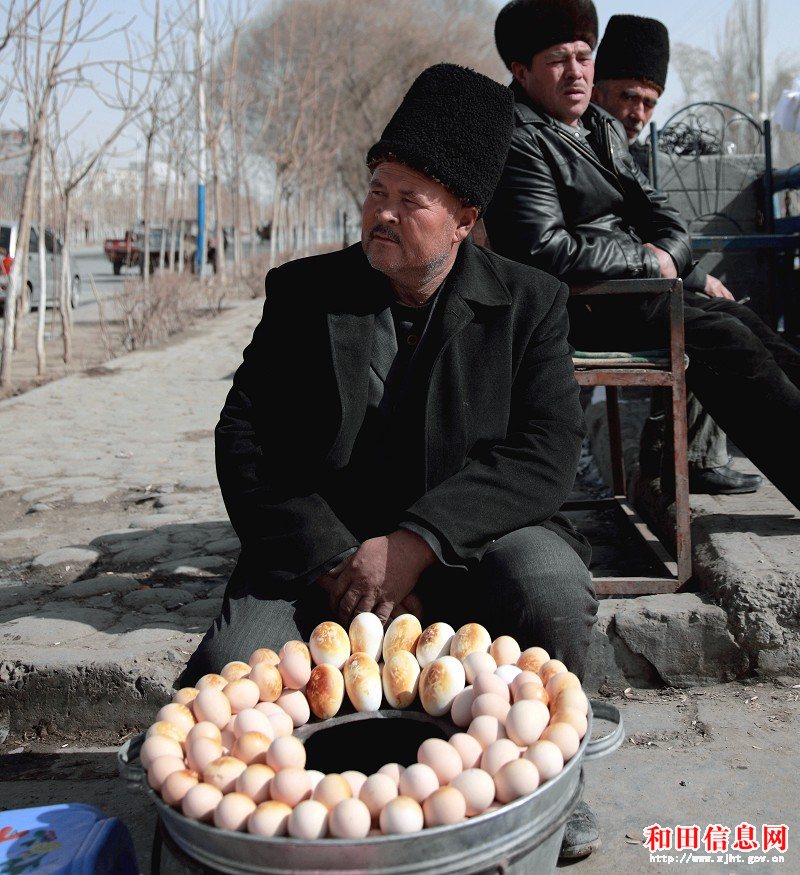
[[366, 462], [572, 201], [630, 72]]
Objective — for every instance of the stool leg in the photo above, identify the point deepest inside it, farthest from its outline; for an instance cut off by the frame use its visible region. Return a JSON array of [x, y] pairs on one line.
[[615, 441]]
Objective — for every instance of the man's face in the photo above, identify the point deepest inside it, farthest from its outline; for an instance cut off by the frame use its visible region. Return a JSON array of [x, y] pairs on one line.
[[629, 100], [411, 225], [559, 80]]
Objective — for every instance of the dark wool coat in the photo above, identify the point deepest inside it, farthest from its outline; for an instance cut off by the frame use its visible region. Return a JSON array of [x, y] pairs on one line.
[[502, 421]]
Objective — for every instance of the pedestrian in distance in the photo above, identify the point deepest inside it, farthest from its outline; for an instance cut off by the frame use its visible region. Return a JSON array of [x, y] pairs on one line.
[[405, 424], [572, 201]]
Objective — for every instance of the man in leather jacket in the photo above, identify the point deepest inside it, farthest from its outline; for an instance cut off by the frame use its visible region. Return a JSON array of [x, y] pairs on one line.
[[572, 201], [630, 73]]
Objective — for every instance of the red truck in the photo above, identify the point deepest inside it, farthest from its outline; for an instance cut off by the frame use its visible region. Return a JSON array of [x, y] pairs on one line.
[[122, 251]]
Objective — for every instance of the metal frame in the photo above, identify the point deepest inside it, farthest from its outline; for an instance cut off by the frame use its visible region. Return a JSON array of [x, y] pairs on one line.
[[669, 373]]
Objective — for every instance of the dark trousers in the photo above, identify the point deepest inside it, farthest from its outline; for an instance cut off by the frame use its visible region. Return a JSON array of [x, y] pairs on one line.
[[530, 584]]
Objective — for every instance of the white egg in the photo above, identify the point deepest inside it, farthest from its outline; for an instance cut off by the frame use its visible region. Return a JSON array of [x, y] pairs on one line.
[[329, 644], [309, 820], [434, 642], [444, 806], [366, 634], [439, 683], [362, 682], [476, 662], [402, 634], [401, 815], [477, 788], [349, 819]]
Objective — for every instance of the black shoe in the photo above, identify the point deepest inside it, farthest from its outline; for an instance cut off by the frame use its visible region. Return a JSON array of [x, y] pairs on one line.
[[722, 481], [581, 834]]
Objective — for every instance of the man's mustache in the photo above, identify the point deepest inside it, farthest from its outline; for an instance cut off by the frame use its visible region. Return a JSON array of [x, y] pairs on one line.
[[385, 231]]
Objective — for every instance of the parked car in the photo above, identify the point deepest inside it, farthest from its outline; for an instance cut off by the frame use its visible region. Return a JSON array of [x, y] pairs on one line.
[[53, 248], [122, 251]]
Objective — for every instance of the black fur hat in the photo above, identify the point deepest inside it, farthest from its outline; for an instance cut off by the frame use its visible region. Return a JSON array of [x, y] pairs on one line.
[[453, 125], [524, 28], [633, 47]]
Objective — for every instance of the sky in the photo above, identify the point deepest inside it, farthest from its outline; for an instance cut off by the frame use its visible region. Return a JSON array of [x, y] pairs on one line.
[[695, 22]]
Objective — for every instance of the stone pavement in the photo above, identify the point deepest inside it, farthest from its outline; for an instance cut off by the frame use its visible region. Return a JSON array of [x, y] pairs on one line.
[[120, 548]]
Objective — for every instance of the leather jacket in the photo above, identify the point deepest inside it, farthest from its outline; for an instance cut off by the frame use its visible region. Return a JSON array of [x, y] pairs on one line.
[[580, 209]]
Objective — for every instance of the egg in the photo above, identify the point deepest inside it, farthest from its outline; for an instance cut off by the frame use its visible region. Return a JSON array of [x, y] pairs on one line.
[[270, 818], [200, 802], [572, 697], [286, 751], [157, 746], [547, 757], [524, 677], [418, 781], [213, 705], [401, 634], [325, 691], [507, 672], [281, 722], [489, 682], [516, 778], [254, 782], [400, 679], [242, 693], [505, 649], [469, 638], [491, 703], [211, 680], [439, 683], [290, 785], [477, 788], [533, 658], [295, 704], [175, 712], [204, 729], [263, 654], [461, 707], [560, 681], [497, 754], [401, 815], [235, 669], [476, 662], [550, 668], [315, 776], [251, 747], [349, 819], [161, 767], [355, 779], [366, 634], [444, 806], [295, 646], [184, 695], [170, 730], [393, 770], [329, 644], [253, 720], [468, 748], [331, 789], [573, 716], [565, 736], [486, 729], [223, 772], [377, 791], [362, 682], [433, 642], [525, 721], [294, 670], [533, 691], [308, 820], [233, 812], [201, 751], [442, 757], [176, 785]]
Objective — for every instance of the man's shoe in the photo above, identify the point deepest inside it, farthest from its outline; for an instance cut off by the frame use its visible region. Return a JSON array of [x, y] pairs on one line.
[[723, 480], [581, 834]]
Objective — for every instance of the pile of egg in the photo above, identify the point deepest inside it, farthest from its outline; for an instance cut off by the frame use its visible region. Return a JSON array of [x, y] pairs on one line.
[[223, 752]]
